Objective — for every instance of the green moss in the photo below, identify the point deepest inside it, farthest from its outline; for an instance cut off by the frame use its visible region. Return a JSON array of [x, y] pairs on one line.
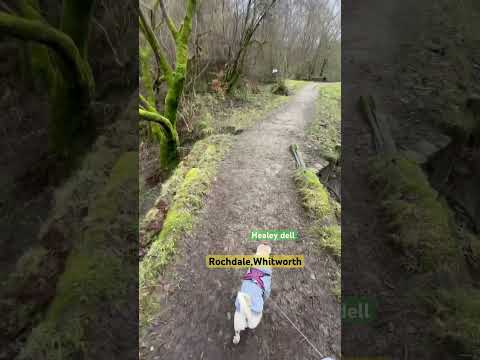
[[324, 133], [71, 85], [322, 209], [314, 195], [331, 239], [146, 79], [88, 280], [76, 22], [185, 190], [418, 219], [93, 274], [39, 65], [201, 155], [456, 318], [177, 81], [124, 170]]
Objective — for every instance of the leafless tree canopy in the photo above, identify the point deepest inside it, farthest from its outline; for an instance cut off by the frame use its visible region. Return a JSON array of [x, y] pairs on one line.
[[248, 38]]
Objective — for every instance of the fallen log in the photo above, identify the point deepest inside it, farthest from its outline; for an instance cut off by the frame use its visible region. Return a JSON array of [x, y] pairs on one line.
[[298, 156], [382, 134]]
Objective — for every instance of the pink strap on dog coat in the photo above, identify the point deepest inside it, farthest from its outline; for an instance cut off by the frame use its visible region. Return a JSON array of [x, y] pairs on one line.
[[255, 275]]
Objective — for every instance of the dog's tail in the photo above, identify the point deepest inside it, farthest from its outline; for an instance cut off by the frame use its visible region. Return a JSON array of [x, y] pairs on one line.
[[245, 304]]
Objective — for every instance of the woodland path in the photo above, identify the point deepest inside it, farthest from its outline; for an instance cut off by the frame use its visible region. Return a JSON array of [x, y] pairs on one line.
[[254, 189]]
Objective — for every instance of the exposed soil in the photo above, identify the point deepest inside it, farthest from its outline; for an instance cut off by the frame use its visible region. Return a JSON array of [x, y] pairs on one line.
[[254, 189]]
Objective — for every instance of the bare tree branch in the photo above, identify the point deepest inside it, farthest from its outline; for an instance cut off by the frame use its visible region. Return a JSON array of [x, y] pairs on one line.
[[160, 55], [171, 25]]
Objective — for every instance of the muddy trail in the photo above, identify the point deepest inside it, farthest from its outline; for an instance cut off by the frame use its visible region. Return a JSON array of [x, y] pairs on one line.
[[254, 189]]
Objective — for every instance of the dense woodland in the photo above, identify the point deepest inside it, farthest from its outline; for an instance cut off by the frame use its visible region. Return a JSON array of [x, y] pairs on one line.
[[192, 47]]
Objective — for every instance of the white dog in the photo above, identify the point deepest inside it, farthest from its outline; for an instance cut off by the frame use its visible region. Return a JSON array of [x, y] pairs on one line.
[[256, 288]]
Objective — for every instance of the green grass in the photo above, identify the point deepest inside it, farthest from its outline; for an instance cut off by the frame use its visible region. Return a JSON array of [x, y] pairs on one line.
[[185, 191], [217, 115], [295, 85], [324, 131]]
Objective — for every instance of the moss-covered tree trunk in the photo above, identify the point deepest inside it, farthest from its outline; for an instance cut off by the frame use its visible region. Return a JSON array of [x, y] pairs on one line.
[[234, 70], [38, 71], [146, 80], [58, 59], [71, 125], [175, 79]]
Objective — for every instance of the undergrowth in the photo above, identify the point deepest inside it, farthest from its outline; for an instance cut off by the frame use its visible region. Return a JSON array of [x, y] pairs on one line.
[[421, 223], [184, 192], [295, 85], [93, 275], [216, 115], [457, 318], [314, 195], [324, 129], [323, 211], [331, 239]]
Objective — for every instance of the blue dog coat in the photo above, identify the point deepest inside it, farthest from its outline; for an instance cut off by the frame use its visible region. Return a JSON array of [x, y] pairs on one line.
[[256, 293]]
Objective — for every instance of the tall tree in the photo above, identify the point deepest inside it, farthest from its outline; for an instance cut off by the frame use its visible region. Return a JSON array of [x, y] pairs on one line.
[[164, 123], [254, 14]]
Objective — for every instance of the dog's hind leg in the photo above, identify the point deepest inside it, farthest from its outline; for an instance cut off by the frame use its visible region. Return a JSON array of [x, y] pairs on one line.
[[254, 320], [239, 324]]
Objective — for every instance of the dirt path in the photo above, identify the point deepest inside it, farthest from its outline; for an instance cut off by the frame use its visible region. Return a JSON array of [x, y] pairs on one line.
[[254, 189]]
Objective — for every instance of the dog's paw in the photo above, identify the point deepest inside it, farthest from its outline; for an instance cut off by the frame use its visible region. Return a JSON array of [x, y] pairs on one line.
[[236, 339]]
